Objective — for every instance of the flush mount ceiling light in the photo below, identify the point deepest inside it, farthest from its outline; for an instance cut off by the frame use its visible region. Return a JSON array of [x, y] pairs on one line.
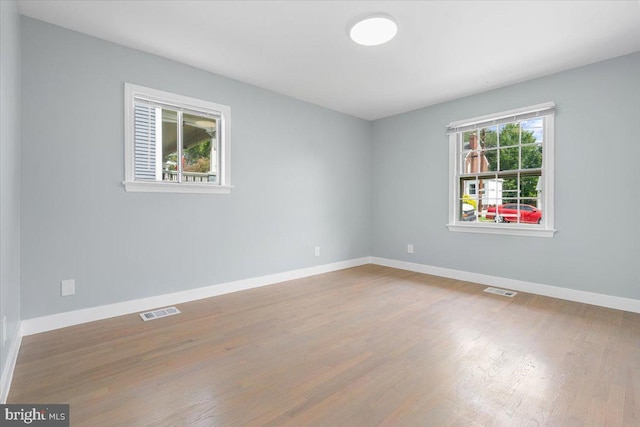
[[373, 30]]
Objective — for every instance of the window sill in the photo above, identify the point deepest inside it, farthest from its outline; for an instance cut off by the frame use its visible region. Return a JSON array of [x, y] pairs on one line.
[[502, 229], [175, 187]]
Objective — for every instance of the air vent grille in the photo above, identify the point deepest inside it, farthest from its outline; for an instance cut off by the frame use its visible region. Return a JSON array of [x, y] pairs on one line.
[[156, 314], [503, 292]]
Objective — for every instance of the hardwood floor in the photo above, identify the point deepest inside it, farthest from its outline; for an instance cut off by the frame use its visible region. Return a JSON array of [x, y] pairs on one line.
[[365, 346]]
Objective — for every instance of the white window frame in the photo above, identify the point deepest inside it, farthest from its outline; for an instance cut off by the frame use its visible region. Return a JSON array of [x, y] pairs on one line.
[[455, 131], [223, 112]]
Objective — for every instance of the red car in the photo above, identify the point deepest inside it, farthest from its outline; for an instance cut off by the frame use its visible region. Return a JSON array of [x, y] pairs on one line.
[[509, 213]]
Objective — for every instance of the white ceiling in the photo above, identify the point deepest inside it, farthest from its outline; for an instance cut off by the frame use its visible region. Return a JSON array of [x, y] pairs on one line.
[[444, 49]]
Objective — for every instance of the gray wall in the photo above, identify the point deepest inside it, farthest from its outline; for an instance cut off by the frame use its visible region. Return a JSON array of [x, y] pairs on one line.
[[301, 175], [9, 175], [597, 202]]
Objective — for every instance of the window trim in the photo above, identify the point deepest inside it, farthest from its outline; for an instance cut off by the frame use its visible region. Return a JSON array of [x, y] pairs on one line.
[[131, 92], [546, 228]]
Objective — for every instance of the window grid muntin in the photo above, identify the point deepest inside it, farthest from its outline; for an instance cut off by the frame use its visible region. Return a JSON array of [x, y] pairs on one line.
[[520, 172]]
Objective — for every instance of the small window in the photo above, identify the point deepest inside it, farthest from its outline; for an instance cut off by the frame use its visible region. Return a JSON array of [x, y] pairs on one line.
[[175, 143], [501, 165]]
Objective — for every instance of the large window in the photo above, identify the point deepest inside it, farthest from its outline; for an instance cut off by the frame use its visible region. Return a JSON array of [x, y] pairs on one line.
[[501, 169], [175, 143]]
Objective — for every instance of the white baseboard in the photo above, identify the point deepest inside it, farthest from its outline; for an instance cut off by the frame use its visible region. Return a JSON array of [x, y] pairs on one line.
[[609, 301], [61, 320], [70, 318], [10, 365]]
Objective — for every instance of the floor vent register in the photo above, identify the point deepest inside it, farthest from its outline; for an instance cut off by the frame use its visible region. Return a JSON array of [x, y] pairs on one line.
[[503, 292], [156, 314]]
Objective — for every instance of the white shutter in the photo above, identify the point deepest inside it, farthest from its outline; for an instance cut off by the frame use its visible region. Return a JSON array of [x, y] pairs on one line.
[[144, 142]]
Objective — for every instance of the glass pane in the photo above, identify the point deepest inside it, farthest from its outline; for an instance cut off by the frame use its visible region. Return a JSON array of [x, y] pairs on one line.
[[485, 197], [509, 134], [468, 187], [482, 194], [169, 138], [469, 139], [507, 211], [198, 149], [468, 212], [492, 160], [489, 193], [509, 158], [532, 156], [489, 209], [530, 212], [489, 138], [463, 151], [468, 163], [532, 203], [463, 161], [530, 186], [509, 188], [474, 162], [532, 130], [504, 210]]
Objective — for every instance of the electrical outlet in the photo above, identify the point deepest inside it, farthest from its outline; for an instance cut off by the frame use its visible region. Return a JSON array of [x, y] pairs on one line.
[[409, 248], [67, 287], [317, 252]]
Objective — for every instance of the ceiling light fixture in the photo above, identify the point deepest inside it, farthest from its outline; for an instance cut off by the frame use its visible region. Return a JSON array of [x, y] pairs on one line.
[[373, 30]]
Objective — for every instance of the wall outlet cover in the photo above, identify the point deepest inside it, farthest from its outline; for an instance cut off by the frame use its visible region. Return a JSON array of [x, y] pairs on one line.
[[67, 287]]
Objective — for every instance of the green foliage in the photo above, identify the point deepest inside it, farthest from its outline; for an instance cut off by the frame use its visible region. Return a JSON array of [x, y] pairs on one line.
[[195, 151], [172, 157], [200, 165], [197, 157], [504, 147]]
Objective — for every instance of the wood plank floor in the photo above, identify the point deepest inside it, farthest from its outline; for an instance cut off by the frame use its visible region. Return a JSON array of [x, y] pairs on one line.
[[364, 346]]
